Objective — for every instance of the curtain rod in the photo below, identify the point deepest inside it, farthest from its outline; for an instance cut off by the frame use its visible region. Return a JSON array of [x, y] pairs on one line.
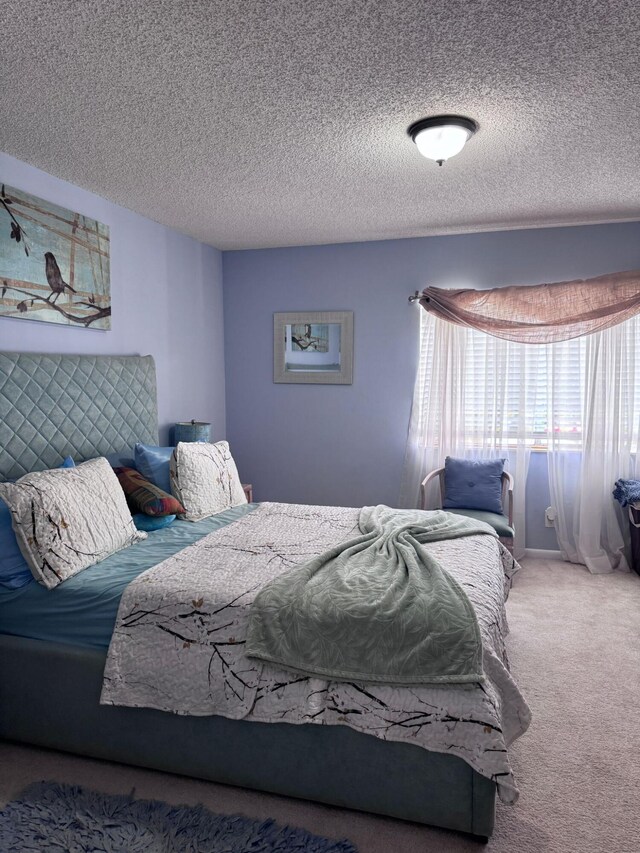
[[417, 296]]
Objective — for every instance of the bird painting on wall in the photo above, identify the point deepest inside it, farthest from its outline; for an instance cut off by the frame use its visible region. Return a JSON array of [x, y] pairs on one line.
[[75, 250], [57, 284]]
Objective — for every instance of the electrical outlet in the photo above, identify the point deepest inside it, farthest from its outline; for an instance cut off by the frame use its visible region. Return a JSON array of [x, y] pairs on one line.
[[550, 516]]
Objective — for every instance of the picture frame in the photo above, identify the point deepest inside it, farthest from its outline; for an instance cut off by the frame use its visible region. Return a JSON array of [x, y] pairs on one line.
[[313, 347], [54, 263]]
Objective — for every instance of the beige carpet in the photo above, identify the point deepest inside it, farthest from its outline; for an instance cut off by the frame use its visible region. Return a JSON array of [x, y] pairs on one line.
[[575, 650]]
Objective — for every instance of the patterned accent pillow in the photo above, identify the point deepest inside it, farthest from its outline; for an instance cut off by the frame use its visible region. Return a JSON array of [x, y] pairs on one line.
[[205, 479], [68, 519], [143, 496]]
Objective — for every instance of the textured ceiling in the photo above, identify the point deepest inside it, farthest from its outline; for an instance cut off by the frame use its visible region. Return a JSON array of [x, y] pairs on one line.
[[257, 123]]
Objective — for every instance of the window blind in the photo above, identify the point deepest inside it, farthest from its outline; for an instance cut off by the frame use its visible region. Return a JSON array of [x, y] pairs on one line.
[[529, 393]]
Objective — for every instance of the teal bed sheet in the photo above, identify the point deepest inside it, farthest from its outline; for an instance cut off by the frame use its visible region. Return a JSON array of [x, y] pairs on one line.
[[82, 610]]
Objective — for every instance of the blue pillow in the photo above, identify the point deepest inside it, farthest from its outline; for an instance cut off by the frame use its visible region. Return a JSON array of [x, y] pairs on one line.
[[14, 571], [152, 522], [153, 464], [473, 484], [120, 460]]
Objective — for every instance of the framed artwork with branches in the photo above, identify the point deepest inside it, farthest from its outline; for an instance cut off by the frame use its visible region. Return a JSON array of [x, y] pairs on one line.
[[54, 263]]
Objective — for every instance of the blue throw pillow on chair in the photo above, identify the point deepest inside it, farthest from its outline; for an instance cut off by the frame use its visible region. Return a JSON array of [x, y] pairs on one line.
[[473, 484]]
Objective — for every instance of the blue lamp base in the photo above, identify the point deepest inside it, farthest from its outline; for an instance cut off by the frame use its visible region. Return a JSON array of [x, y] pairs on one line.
[[192, 431]]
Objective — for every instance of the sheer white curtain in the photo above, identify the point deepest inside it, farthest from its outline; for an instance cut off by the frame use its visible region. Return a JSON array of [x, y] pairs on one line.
[[590, 525], [471, 399], [481, 396]]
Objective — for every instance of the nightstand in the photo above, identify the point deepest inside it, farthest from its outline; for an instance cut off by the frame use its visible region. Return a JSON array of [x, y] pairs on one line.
[[248, 490]]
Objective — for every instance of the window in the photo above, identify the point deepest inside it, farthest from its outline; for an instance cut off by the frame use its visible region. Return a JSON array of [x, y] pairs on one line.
[[530, 394]]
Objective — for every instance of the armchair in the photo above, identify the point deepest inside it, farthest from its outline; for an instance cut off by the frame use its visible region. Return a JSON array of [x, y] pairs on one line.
[[501, 523]]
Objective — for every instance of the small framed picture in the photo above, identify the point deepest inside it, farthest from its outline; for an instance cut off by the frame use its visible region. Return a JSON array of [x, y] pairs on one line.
[[313, 347]]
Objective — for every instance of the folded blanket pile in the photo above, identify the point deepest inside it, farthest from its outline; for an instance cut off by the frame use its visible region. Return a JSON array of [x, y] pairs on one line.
[[627, 491]]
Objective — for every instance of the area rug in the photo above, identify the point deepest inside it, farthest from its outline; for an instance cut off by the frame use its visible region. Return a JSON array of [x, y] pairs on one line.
[[69, 819]]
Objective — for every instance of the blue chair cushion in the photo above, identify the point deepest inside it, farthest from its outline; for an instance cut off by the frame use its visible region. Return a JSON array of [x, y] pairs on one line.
[[473, 484], [499, 522]]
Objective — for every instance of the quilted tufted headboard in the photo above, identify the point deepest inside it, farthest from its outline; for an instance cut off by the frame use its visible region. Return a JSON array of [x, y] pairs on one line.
[[82, 405]]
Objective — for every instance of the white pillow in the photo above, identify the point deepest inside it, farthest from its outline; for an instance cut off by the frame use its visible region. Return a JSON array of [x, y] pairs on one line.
[[69, 518], [205, 479]]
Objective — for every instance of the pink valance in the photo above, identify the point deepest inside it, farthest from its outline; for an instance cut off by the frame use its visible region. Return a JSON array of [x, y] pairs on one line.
[[540, 313]]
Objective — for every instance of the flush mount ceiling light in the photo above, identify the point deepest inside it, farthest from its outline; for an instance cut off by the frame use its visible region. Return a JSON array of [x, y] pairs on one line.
[[441, 137]]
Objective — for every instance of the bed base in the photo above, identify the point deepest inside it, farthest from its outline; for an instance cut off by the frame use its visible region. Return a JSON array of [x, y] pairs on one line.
[[49, 697]]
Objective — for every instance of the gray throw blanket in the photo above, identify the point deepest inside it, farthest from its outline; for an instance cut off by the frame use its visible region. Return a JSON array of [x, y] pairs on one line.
[[377, 608]]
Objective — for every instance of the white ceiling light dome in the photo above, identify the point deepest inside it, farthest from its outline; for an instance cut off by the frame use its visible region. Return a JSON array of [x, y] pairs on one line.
[[442, 137]]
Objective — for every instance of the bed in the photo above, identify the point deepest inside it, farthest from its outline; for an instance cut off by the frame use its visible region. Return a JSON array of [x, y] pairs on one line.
[[51, 669]]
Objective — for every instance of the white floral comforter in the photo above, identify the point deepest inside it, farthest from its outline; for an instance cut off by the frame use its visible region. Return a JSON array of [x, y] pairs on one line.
[[178, 644]]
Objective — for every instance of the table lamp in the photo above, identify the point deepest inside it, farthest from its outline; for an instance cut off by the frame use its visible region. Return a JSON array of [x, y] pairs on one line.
[[192, 431]]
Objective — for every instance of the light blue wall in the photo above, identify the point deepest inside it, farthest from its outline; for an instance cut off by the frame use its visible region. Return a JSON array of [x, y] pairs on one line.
[[166, 298], [345, 444], [315, 444], [537, 499]]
